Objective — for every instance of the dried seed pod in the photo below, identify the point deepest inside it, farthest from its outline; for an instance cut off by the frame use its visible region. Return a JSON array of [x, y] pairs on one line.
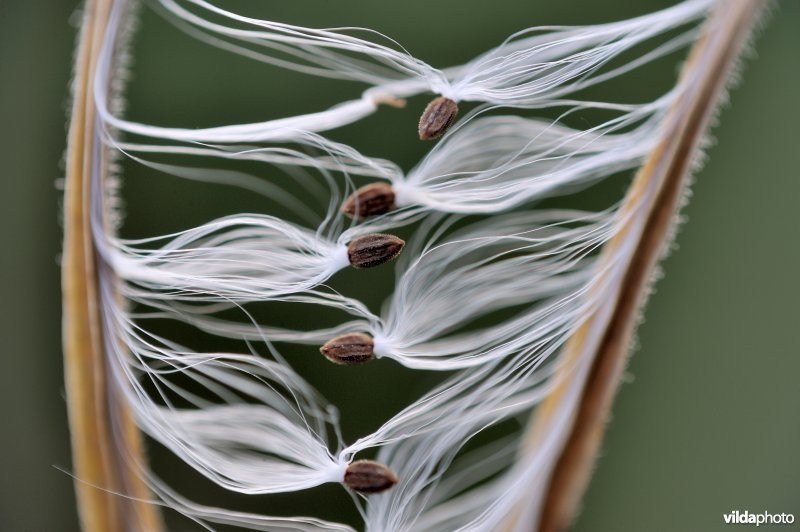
[[370, 200], [366, 476], [373, 250], [349, 349], [437, 118]]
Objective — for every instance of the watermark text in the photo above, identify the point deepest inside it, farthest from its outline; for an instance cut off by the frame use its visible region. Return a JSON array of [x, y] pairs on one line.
[[763, 518]]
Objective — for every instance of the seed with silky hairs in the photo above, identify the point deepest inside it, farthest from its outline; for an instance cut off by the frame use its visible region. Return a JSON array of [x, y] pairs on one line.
[[437, 118], [370, 200], [366, 476], [349, 349], [373, 250]]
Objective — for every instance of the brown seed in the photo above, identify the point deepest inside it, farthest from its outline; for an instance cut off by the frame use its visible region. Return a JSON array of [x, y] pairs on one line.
[[370, 200], [373, 250], [366, 476], [437, 118], [349, 349]]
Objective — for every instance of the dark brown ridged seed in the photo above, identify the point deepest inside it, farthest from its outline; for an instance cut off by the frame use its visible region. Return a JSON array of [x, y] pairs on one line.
[[366, 476], [349, 349], [370, 200], [439, 115], [373, 250]]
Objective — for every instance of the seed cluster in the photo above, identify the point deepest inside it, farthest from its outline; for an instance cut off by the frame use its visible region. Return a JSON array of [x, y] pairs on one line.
[[367, 251]]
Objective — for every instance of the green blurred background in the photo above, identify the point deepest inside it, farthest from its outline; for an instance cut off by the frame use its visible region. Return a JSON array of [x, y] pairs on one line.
[[708, 420]]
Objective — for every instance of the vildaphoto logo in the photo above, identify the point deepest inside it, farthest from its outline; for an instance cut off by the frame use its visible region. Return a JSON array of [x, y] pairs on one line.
[[764, 518]]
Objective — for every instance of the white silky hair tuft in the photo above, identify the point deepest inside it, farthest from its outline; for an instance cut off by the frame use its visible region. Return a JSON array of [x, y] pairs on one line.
[[536, 68]]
